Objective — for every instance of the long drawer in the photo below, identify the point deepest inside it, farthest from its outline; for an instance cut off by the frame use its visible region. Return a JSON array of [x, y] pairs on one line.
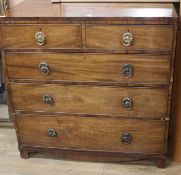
[[129, 37], [129, 68], [41, 36], [69, 132], [101, 100]]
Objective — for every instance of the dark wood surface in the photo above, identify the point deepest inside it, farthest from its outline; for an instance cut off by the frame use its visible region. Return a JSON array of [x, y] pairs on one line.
[[144, 37], [179, 11], [47, 9], [85, 94], [90, 100], [56, 36], [89, 68], [175, 129], [89, 133], [41, 10]]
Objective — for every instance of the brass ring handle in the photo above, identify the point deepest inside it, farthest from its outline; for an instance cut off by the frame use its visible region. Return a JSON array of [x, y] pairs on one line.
[[52, 133], [40, 38], [44, 68], [127, 39], [127, 70], [47, 99], [127, 103], [126, 138]]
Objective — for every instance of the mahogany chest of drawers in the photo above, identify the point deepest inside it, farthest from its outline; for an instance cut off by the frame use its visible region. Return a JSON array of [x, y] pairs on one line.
[[90, 81]]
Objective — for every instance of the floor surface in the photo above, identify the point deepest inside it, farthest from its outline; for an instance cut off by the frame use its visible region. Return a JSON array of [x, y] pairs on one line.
[[12, 164], [4, 111]]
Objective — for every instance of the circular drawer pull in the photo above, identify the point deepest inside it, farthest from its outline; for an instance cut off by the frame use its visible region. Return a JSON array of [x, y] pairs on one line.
[[127, 103], [126, 138], [52, 133], [44, 68], [127, 70], [40, 38], [47, 99], [127, 39]]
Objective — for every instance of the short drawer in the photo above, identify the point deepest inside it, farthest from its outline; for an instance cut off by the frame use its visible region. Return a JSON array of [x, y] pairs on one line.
[[121, 68], [40, 36], [100, 100], [129, 37], [95, 134]]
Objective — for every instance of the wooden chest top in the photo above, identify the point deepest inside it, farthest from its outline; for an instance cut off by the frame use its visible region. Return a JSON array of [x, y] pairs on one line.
[[38, 11]]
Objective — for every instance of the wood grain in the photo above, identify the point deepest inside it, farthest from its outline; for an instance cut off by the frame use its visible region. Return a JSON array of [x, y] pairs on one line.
[[56, 36], [91, 133], [157, 13], [153, 69], [144, 37], [88, 89], [179, 12], [89, 99], [9, 155], [175, 124]]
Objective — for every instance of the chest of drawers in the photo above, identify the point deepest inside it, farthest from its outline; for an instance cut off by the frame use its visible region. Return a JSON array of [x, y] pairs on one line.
[[90, 81]]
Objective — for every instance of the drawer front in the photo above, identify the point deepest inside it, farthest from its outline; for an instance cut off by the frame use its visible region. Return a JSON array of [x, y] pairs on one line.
[[52, 36], [105, 134], [137, 102], [136, 37], [127, 68]]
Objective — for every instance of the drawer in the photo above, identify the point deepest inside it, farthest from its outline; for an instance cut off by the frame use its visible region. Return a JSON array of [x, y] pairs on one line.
[[129, 37], [97, 134], [40, 36], [128, 68], [100, 100]]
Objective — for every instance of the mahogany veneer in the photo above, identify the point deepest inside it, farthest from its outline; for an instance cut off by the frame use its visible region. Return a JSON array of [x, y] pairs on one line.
[[94, 68], [55, 36], [175, 129], [90, 81]]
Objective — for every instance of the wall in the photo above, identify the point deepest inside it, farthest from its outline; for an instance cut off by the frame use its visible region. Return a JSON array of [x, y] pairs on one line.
[[14, 2]]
